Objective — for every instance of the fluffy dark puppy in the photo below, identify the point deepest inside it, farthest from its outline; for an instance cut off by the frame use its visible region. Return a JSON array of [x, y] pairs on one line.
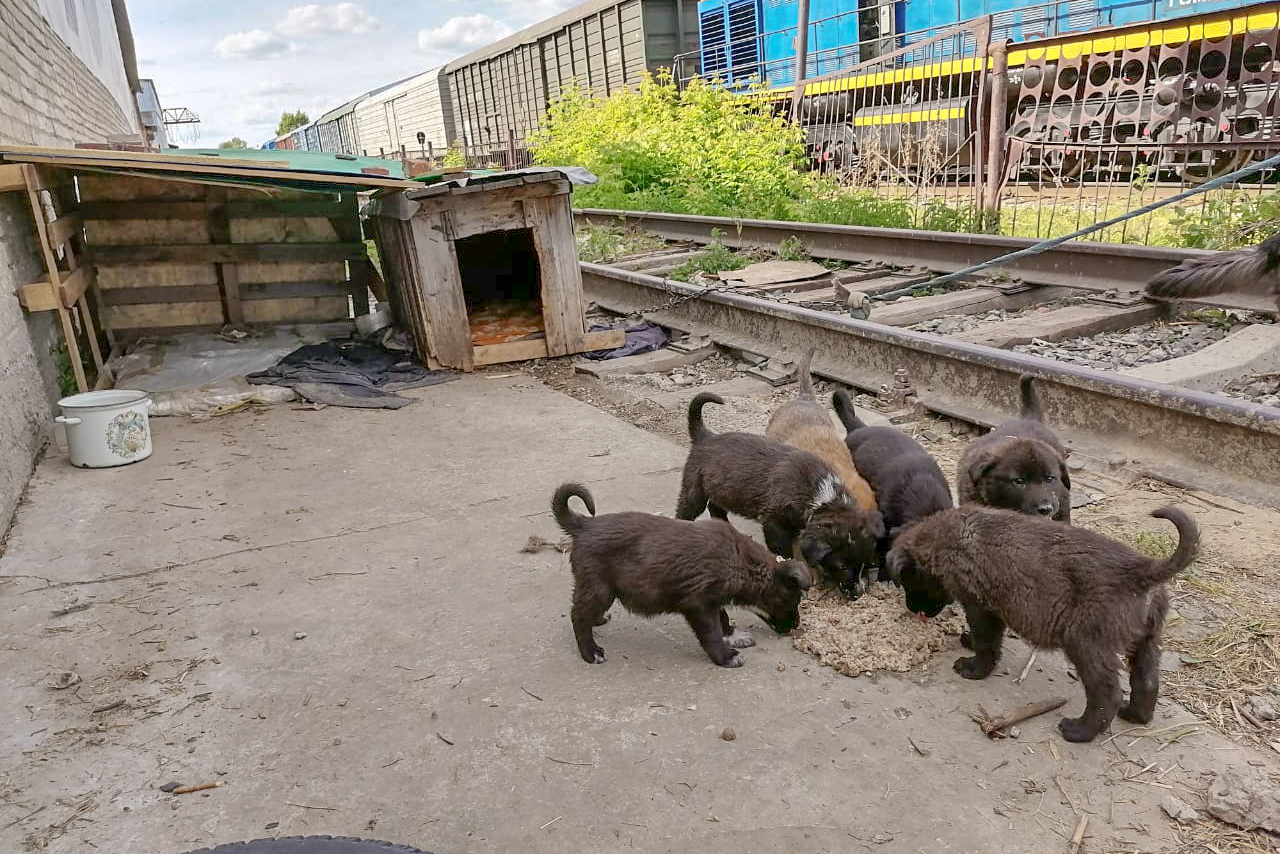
[[1058, 587], [1020, 465], [907, 480], [804, 508], [655, 565]]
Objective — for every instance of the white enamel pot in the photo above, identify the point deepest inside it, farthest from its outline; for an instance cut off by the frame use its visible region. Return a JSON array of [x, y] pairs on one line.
[[106, 428]]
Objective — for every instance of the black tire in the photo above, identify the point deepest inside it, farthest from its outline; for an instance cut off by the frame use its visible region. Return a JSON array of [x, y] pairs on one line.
[[311, 845]]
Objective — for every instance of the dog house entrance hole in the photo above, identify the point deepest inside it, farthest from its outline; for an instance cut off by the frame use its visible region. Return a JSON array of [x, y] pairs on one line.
[[502, 286]]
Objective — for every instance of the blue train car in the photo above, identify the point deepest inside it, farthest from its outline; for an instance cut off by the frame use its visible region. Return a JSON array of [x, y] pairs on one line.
[[747, 40]]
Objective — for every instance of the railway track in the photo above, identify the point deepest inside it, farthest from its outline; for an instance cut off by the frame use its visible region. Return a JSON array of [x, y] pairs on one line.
[[1114, 420]]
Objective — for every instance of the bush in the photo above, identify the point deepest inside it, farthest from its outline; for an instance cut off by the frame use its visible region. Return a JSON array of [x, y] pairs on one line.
[[703, 150], [1227, 220]]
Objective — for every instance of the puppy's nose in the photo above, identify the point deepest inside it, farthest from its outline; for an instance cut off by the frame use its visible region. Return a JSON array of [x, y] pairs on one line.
[[1046, 508]]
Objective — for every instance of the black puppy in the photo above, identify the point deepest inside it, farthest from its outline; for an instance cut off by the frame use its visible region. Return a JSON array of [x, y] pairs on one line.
[[802, 505], [907, 480], [655, 565], [1020, 465]]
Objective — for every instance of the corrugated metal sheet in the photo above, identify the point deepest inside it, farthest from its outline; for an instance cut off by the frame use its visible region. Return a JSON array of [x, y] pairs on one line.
[[602, 46]]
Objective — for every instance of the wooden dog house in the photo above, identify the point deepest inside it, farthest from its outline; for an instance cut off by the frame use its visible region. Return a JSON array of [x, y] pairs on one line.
[[486, 271]]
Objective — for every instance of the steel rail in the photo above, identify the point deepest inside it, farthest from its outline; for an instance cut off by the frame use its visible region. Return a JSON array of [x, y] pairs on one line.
[[1087, 266], [1177, 435]]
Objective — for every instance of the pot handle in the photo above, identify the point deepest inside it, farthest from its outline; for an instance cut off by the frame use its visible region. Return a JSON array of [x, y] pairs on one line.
[[62, 419]]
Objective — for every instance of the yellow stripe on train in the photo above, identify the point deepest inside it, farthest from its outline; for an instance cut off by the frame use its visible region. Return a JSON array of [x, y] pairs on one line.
[[1237, 25], [911, 117]]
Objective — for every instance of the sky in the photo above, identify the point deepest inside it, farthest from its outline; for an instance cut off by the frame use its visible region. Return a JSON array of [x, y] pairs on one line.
[[239, 64]]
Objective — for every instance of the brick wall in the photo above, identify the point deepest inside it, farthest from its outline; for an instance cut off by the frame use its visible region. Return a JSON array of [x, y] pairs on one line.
[[47, 97]]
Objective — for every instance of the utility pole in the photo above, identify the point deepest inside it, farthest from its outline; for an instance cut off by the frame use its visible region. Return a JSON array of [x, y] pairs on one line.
[[802, 58]]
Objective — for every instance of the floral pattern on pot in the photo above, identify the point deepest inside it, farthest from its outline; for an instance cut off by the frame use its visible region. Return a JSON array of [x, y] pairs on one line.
[[127, 434]]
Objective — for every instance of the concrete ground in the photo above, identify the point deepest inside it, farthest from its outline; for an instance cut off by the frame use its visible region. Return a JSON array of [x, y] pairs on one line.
[[329, 612]]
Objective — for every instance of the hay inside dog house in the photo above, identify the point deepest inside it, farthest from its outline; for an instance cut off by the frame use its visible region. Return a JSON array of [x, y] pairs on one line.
[[486, 270]]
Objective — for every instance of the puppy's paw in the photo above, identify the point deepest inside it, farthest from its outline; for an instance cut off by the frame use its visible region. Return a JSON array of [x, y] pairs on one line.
[[740, 640], [734, 660], [1076, 729], [969, 667], [1133, 714], [594, 656], [604, 618], [966, 640]]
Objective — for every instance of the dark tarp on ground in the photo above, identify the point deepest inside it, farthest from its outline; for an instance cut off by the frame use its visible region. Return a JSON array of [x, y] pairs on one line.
[[350, 373], [641, 338]]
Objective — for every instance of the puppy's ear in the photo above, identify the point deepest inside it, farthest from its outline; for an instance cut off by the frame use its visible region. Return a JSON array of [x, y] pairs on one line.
[[796, 574], [1063, 474], [896, 563], [875, 524], [813, 551], [980, 465]]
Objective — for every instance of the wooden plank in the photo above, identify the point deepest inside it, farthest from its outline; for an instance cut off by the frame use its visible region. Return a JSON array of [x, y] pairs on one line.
[[289, 290], [62, 228], [487, 215], [244, 253], [512, 351], [434, 204], [65, 195], [11, 179], [142, 210], [91, 332], [213, 171], [288, 208], [73, 346], [162, 295], [120, 317], [301, 310], [536, 348], [440, 289], [215, 201], [139, 156], [551, 221], [39, 296], [74, 285]]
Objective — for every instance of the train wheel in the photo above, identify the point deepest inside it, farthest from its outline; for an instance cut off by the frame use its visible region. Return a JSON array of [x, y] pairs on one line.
[[1214, 164]]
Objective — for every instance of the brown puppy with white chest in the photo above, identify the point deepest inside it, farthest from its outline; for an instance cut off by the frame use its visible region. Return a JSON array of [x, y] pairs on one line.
[[1058, 587], [799, 501], [805, 424], [655, 565], [1020, 465]]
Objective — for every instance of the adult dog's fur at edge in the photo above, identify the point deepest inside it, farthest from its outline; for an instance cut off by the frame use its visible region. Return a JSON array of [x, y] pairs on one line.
[[1058, 587], [1255, 270]]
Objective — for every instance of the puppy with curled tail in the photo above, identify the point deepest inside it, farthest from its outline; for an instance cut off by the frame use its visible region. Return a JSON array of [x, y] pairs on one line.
[[801, 503], [1058, 587], [654, 565]]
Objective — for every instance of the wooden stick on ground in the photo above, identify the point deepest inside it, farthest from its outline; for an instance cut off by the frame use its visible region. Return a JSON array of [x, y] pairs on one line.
[[186, 790], [992, 726], [1077, 838], [1026, 669]]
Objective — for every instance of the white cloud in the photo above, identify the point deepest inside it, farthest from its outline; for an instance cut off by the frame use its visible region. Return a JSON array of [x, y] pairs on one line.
[[462, 34], [252, 44], [316, 20]]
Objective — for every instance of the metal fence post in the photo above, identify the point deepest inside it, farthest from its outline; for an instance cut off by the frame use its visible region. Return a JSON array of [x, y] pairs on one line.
[[997, 127], [802, 58]]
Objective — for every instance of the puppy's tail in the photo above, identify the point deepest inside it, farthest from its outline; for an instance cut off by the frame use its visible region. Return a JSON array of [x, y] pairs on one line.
[[570, 522], [804, 377], [1160, 571], [843, 405], [697, 430], [1030, 400], [1251, 270]]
